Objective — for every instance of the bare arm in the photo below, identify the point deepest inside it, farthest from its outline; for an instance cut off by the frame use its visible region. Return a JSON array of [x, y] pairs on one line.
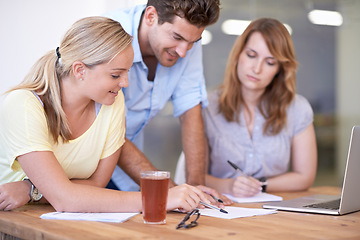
[[17, 194], [193, 141], [64, 195], [48, 176], [304, 164], [133, 161]]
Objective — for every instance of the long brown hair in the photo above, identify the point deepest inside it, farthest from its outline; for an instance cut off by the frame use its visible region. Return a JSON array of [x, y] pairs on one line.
[[279, 93], [91, 40]]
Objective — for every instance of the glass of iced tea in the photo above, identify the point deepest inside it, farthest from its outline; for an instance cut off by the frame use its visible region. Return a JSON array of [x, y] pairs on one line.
[[154, 191]]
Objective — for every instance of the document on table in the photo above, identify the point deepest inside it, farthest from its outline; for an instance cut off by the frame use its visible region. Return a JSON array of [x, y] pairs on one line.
[[235, 212], [100, 217], [260, 197]]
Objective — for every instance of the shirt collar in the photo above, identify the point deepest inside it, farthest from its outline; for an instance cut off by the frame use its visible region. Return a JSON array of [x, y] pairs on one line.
[[136, 46]]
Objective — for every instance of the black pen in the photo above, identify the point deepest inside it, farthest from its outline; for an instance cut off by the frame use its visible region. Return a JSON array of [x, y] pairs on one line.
[[217, 199], [238, 169], [213, 207]]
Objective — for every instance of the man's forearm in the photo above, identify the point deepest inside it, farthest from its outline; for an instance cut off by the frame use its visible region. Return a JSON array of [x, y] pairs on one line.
[[133, 161], [193, 140]]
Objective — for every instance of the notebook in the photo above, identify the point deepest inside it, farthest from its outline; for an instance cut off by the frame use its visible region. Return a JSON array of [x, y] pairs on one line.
[[348, 202]]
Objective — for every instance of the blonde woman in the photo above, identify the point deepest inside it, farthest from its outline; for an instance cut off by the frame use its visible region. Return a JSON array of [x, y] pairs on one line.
[[63, 127], [257, 121]]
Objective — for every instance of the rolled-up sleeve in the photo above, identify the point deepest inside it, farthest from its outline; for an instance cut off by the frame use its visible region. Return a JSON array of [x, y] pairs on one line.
[[190, 90]]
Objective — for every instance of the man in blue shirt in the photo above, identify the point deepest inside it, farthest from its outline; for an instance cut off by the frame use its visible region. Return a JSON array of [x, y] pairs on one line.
[[167, 66]]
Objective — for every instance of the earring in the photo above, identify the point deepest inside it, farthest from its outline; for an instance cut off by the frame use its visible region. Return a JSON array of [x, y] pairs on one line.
[[81, 79]]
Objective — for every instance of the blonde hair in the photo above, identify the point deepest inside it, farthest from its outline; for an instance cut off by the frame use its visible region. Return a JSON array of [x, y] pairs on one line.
[[279, 93], [91, 40]]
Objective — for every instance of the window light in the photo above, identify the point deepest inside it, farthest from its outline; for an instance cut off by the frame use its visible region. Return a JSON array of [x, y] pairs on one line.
[[324, 17], [237, 27]]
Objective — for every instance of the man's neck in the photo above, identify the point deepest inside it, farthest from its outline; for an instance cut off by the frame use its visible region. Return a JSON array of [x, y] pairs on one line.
[[151, 62]]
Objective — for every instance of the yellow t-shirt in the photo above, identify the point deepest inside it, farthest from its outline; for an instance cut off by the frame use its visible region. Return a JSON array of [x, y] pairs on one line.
[[23, 129]]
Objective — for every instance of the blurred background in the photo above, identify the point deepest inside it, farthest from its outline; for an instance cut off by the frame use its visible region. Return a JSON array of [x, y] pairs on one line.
[[327, 51]]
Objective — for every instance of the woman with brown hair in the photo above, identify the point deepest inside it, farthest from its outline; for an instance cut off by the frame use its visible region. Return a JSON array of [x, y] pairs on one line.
[[257, 121]]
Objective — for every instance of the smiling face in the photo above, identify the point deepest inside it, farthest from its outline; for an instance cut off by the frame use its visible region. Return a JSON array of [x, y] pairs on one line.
[[104, 81], [169, 41], [256, 65]]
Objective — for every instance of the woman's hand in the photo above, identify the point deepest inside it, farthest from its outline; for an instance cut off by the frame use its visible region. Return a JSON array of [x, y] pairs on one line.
[[212, 194], [14, 195], [246, 186], [185, 198]]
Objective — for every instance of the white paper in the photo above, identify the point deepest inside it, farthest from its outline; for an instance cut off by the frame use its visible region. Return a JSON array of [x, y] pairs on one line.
[[236, 212], [260, 197], [100, 217]]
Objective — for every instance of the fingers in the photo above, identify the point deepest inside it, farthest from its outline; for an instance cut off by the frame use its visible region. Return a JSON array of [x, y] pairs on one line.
[[226, 200], [215, 197], [13, 195], [185, 197], [5, 205], [209, 192], [246, 186]]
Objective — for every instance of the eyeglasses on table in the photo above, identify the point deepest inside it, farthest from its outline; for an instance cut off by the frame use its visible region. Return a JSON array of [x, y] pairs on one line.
[[190, 220]]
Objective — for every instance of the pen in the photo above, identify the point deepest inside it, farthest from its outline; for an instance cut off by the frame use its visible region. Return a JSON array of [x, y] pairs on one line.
[[217, 199], [237, 168], [213, 207]]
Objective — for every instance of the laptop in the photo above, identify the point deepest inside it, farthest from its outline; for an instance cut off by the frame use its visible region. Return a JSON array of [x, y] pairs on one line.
[[348, 202]]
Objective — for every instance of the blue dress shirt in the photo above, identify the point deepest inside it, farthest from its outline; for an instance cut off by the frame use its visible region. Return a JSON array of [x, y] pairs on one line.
[[183, 84]]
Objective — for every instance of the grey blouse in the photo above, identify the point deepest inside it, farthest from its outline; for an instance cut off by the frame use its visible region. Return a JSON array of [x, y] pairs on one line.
[[259, 156]]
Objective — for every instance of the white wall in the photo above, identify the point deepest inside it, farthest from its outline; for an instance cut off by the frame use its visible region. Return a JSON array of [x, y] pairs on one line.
[[348, 83], [28, 29]]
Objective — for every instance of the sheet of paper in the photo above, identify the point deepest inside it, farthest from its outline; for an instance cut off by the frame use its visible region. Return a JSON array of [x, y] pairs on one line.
[[236, 212], [261, 197], [100, 217]]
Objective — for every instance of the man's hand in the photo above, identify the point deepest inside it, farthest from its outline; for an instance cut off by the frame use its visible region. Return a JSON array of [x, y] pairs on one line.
[[14, 195]]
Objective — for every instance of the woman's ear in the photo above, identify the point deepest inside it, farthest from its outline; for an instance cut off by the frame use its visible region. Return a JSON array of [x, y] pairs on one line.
[[150, 15], [78, 68]]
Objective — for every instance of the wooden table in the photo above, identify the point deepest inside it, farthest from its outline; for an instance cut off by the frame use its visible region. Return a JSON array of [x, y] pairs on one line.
[[25, 223]]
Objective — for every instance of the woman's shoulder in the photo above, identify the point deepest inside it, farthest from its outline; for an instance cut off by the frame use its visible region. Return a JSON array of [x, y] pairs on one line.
[[19, 93], [213, 106], [300, 102], [18, 98], [300, 113], [213, 97]]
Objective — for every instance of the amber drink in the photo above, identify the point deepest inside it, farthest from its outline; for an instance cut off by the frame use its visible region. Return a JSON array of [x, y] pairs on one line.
[[154, 193]]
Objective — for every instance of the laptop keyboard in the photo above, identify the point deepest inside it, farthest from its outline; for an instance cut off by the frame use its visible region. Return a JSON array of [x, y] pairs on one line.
[[334, 205]]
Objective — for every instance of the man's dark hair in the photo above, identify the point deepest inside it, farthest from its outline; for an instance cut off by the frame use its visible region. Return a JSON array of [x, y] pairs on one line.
[[200, 13]]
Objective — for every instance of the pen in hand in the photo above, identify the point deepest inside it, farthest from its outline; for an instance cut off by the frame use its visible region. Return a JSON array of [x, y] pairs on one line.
[[213, 207], [237, 168], [240, 171]]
